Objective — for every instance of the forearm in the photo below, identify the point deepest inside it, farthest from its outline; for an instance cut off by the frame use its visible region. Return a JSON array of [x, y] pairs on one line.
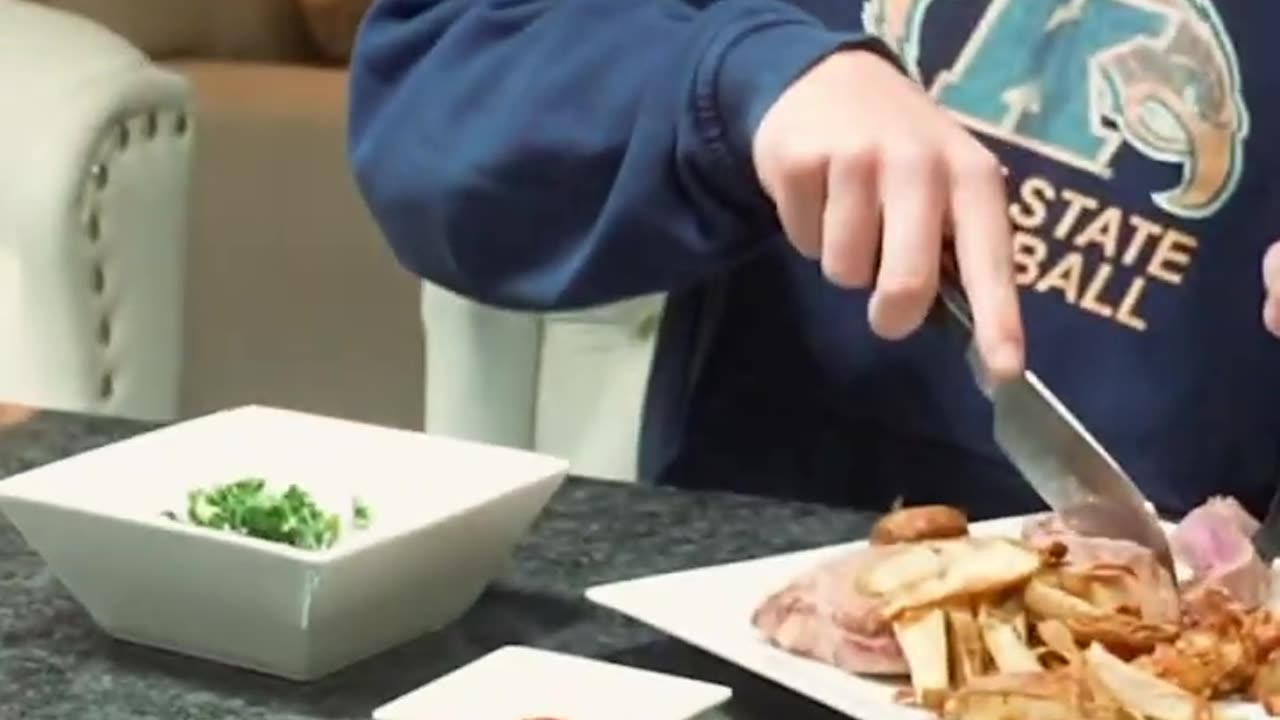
[[559, 153]]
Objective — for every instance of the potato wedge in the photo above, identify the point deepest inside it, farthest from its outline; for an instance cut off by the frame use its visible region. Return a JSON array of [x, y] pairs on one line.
[[900, 567], [1050, 602], [1142, 693], [1058, 640], [964, 642], [1031, 696], [970, 566], [923, 638], [1007, 646], [1121, 633]]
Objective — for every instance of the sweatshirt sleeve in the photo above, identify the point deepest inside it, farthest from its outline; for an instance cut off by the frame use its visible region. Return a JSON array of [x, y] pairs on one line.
[[553, 154]]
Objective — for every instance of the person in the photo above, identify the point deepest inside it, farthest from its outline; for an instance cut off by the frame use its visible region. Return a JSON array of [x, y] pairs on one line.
[[792, 174]]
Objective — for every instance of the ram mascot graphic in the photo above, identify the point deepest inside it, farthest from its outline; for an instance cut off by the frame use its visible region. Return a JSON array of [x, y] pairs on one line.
[[1077, 79]]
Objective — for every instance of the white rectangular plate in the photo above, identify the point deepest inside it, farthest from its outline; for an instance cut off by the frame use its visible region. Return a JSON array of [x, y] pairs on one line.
[[522, 683], [710, 608]]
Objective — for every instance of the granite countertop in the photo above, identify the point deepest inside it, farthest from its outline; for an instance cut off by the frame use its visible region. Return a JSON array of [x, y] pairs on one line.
[[56, 665]]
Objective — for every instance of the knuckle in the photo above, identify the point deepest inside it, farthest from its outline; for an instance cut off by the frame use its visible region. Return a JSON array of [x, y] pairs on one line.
[[893, 322], [799, 160], [973, 162], [1271, 267], [913, 157], [907, 291], [855, 159], [805, 241], [845, 271], [838, 273]]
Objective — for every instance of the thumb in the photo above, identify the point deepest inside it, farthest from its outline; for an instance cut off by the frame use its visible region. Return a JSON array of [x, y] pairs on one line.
[[1271, 279]]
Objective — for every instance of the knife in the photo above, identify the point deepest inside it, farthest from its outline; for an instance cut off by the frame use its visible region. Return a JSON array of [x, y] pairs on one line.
[[1051, 448], [1266, 541]]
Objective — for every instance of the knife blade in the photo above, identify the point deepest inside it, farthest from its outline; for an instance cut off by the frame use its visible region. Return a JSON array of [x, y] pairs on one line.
[[1052, 450], [1266, 541]]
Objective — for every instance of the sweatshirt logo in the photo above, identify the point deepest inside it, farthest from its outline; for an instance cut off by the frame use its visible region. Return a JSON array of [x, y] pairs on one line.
[[1076, 80]]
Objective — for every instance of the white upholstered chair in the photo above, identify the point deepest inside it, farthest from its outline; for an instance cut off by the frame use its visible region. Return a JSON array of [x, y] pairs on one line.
[[570, 384], [95, 154], [289, 297]]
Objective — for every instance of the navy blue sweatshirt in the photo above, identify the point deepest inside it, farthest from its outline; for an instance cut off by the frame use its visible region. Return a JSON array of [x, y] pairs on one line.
[[551, 154]]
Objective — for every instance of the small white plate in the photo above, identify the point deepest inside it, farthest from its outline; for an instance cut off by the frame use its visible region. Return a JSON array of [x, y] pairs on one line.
[[522, 683], [710, 608]]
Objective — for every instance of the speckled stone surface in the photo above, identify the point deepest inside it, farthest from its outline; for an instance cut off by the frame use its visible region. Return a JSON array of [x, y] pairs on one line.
[[56, 665]]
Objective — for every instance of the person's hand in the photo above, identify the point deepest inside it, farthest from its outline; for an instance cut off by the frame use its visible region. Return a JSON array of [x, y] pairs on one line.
[[1271, 278], [866, 172]]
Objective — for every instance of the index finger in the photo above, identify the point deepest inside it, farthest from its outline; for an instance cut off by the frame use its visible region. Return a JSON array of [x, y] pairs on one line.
[[1271, 268], [984, 253], [1271, 280]]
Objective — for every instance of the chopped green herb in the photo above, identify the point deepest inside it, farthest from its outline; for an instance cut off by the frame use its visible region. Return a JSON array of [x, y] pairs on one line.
[[247, 507], [360, 514]]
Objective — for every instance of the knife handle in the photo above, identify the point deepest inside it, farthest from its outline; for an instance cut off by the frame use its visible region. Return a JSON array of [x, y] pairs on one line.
[[951, 309], [951, 313]]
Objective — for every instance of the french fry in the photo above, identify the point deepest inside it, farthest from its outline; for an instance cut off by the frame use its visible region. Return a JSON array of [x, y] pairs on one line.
[[1009, 651], [969, 566], [1142, 693], [902, 568], [1048, 601], [1057, 638], [1034, 696], [1122, 633], [964, 638], [923, 638]]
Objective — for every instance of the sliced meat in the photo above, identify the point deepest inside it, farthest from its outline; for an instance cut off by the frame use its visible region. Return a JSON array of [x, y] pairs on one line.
[[1215, 542], [1144, 585], [821, 615], [1042, 529]]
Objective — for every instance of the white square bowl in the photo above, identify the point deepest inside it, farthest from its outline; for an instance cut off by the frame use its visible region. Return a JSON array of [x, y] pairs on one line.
[[446, 515], [519, 683]]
